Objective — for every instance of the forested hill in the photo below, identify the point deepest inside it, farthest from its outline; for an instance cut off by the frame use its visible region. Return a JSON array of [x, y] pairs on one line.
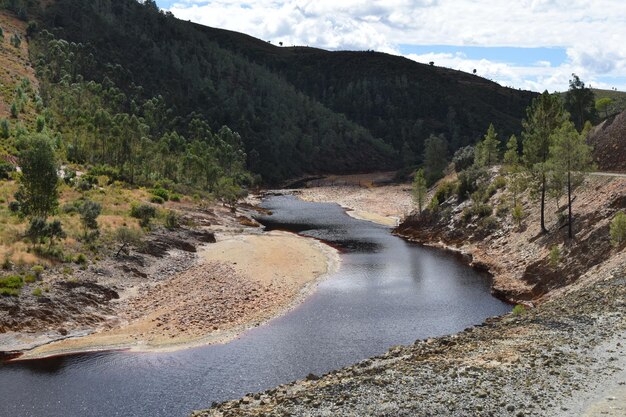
[[297, 110], [395, 98]]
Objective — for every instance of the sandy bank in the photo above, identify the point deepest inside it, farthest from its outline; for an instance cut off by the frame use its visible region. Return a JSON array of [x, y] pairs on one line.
[[385, 204], [239, 282]]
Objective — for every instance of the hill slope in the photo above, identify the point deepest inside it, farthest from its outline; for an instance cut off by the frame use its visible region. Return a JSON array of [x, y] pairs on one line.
[[609, 142], [298, 110]]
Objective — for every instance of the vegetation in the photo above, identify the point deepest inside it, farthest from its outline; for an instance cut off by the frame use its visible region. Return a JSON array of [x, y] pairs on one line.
[[487, 151], [544, 117], [519, 309], [435, 158], [571, 156], [11, 285], [127, 237], [618, 229], [419, 189], [555, 256], [38, 192], [580, 102]]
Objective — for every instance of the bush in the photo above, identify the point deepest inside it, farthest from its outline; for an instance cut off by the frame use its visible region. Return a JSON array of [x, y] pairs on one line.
[[175, 197], [80, 259], [37, 270], [519, 309], [555, 256], [172, 220], [5, 170], [468, 182], [162, 193], [127, 237], [11, 285], [518, 214], [502, 210], [489, 224], [14, 206], [445, 191], [30, 278], [37, 292], [144, 212], [156, 199], [618, 229], [463, 158]]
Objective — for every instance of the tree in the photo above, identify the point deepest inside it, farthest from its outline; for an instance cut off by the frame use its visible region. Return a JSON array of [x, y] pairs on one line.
[[618, 229], [38, 194], [5, 129], [487, 150], [511, 156], [89, 212], [14, 110], [463, 158], [229, 192], [419, 189], [570, 155], [435, 158], [603, 104], [580, 102], [543, 117]]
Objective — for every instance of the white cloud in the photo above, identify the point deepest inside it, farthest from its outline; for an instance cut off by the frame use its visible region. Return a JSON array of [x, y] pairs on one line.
[[592, 31]]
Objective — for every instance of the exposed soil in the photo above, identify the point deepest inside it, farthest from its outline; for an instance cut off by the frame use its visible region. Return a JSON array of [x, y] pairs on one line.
[[182, 288], [609, 145]]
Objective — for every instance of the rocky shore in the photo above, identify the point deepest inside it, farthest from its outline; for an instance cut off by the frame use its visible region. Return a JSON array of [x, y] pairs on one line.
[[565, 358], [183, 288]]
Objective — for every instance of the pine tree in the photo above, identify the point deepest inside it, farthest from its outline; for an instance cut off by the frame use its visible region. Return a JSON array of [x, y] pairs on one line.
[[488, 150], [435, 158], [419, 189], [511, 156], [544, 116], [570, 155]]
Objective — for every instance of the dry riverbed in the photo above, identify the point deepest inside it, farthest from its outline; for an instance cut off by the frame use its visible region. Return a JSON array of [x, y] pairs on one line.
[[179, 291]]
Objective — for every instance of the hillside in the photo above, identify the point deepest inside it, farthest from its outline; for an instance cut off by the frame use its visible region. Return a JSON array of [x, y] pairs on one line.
[[618, 97], [298, 110], [609, 142]]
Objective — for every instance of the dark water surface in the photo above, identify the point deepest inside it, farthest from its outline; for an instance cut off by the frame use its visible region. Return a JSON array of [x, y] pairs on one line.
[[387, 292]]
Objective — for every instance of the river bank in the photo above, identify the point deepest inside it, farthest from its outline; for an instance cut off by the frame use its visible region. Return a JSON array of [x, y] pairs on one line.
[[555, 360], [220, 289], [563, 358]]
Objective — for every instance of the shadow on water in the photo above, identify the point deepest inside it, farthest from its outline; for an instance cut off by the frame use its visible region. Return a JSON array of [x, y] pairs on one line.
[[386, 292]]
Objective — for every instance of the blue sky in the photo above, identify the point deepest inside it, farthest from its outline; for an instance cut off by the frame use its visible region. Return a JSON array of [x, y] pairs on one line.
[[529, 44]]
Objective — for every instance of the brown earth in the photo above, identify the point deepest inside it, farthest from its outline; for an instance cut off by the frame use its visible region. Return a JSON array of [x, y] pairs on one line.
[[179, 290], [609, 142], [518, 258]]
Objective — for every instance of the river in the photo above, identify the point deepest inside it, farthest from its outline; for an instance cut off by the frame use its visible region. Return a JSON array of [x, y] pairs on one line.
[[386, 292]]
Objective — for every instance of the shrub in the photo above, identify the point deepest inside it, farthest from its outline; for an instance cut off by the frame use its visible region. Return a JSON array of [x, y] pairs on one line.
[[489, 224], [30, 278], [14, 206], [80, 259], [161, 192], [519, 309], [127, 237], [37, 292], [445, 190], [172, 220], [156, 199], [463, 158], [482, 210], [555, 256], [499, 182], [618, 229], [175, 197], [468, 182], [5, 170], [89, 212], [518, 214], [502, 210], [144, 212], [7, 265], [11, 285], [37, 270]]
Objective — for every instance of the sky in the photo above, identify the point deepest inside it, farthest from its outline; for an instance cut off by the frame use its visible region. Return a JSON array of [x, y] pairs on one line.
[[528, 44]]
